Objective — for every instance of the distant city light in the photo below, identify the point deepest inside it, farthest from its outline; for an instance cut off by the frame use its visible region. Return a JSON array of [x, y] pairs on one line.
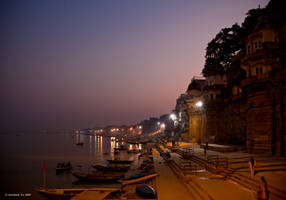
[[140, 127], [158, 123]]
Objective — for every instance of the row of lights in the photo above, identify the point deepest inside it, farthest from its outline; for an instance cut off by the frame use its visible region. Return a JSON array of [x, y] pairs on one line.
[[173, 116]]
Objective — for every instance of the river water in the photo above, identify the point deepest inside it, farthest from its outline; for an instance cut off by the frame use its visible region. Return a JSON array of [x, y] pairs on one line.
[[22, 156]]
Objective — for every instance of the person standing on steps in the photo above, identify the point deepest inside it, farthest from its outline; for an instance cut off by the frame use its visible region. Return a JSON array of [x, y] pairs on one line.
[[263, 193], [205, 150], [252, 164]]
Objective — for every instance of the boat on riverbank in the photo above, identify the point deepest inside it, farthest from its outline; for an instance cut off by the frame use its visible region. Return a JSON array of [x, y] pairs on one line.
[[68, 193], [98, 176], [115, 161], [114, 168], [133, 151], [79, 143], [120, 148], [62, 167], [138, 178]]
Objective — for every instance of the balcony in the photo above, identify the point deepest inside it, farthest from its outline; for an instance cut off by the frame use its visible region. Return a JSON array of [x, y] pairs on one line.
[[255, 79]]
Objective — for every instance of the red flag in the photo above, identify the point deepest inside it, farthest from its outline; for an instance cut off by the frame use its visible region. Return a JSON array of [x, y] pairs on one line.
[[44, 167]]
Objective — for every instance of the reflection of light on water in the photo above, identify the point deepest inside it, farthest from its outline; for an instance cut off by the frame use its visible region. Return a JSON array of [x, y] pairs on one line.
[[112, 144], [76, 138], [90, 144], [97, 140], [95, 144], [101, 144]]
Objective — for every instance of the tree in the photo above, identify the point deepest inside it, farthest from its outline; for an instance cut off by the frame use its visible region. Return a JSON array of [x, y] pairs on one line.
[[222, 49], [227, 43]]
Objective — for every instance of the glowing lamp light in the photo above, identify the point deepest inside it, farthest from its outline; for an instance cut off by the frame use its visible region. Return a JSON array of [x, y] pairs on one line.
[[199, 104], [173, 116], [163, 125]]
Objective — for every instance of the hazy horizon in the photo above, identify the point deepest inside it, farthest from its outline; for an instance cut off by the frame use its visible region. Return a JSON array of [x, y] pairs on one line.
[[76, 64]]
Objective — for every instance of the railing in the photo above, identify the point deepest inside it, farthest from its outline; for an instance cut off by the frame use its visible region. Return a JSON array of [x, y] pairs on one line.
[[217, 162], [188, 168], [186, 153]]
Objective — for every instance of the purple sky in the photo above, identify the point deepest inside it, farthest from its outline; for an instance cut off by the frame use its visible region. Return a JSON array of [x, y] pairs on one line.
[[76, 64]]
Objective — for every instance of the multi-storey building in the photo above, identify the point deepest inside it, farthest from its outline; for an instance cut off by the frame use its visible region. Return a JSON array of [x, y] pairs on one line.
[[245, 105]]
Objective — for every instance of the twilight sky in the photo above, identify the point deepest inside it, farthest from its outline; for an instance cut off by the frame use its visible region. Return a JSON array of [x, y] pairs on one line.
[[77, 64]]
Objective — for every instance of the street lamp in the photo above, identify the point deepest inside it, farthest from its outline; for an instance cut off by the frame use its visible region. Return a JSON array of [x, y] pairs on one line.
[[173, 116], [162, 128], [199, 105]]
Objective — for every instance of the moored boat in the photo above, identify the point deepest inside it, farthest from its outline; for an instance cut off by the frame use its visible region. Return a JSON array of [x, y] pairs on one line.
[[68, 193], [133, 151], [62, 167], [115, 161], [111, 168], [138, 177], [121, 148], [98, 176]]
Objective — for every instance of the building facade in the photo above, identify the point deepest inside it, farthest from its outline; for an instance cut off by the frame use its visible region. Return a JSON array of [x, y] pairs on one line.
[[246, 104]]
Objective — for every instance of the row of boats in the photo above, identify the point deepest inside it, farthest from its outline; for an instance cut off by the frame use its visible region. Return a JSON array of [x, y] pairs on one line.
[[114, 171], [143, 190]]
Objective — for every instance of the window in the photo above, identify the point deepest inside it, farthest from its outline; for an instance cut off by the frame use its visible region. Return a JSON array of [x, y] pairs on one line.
[[255, 45], [257, 71], [212, 96], [248, 49], [259, 44], [212, 82]]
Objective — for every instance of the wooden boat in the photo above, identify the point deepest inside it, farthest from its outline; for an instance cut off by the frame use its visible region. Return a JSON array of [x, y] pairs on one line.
[[133, 151], [98, 176], [116, 151], [121, 148], [132, 142], [115, 161], [68, 193], [138, 177], [111, 168], [62, 167]]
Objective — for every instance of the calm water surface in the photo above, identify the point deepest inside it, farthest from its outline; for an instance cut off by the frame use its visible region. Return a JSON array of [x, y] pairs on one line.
[[22, 156]]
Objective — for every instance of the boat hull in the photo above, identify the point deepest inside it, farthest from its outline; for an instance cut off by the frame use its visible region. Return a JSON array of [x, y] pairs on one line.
[[111, 168], [98, 176], [120, 161]]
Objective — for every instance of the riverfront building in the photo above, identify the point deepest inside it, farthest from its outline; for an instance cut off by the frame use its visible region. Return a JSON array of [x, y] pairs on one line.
[[244, 105]]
